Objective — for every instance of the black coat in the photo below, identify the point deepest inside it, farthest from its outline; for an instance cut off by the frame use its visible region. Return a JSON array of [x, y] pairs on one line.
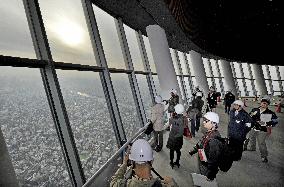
[[212, 100], [255, 113], [175, 140], [229, 98]]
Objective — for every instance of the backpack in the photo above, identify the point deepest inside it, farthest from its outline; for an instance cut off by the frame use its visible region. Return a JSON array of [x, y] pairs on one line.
[[226, 157]]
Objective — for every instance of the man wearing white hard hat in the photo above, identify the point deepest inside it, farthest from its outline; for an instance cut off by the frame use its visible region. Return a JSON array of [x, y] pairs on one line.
[[239, 125], [141, 155], [173, 101], [208, 148], [195, 113]]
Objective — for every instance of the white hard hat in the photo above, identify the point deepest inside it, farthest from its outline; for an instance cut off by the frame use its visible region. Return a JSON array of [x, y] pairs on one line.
[[198, 94], [158, 99], [212, 116], [265, 98], [238, 102], [174, 91], [179, 109], [141, 151]]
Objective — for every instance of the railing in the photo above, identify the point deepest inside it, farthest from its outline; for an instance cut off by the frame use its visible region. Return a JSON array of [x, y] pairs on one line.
[[116, 154]]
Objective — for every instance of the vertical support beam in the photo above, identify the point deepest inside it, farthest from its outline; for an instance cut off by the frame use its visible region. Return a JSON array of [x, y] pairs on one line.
[[243, 78], [200, 75], [252, 80], [181, 77], [54, 94], [129, 66], [220, 78], [146, 65], [105, 75], [279, 78], [259, 78], [7, 172], [269, 79], [188, 72], [228, 76], [162, 59], [211, 73], [235, 79]]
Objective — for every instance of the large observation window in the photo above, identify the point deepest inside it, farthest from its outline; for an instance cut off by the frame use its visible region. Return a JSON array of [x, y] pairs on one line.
[[29, 131], [149, 54], [207, 70], [157, 84], [281, 69], [180, 88], [125, 103], [237, 69], [265, 73], [109, 37], [246, 71], [89, 118], [133, 48], [145, 94], [15, 37], [182, 63], [67, 31], [174, 60], [214, 67], [190, 64]]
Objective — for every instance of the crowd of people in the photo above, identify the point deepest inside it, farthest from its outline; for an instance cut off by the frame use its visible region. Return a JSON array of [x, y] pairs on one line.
[[244, 128]]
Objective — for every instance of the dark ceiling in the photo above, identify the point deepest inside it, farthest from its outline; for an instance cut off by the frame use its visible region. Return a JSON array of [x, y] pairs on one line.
[[236, 30]]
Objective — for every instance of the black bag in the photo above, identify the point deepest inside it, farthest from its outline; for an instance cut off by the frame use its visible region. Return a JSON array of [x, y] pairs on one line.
[[226, 158], [149, 129]]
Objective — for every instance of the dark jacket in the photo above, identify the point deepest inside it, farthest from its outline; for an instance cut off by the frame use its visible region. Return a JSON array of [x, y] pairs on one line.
[[229, 98], [197, 103], [173, 101], [238, 125], [175, 140], [212, 99], [255, 114], [212, 148]]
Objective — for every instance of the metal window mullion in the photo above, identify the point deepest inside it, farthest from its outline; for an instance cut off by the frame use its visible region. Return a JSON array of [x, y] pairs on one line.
[[105, 75], [186, 97], [279, 78], [211, 73], [220, 77], [235, 78], [53, 93], [146, 65], [252, 80], [188, 72], [243, 78], [269, 78], [129, 66]]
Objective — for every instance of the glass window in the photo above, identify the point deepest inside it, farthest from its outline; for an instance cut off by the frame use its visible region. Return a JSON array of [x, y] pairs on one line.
[[67, 31], [281, 69], [157, 84], [15, 37], [275, 85], [264, 71], [109, 37], [174, 60], [206, 67], [226, 86], [133, 48], [209, 81], [273, 74], [149, 54], [214, 68], [182, 63], [249, 87], [194, 82], [245, 69], [237, 69], [145, 94], [218, 86], [241, 87], [125, 103], [187, 86], [267, 86], [180, 88], [29, 131], [89, 118], [190, 64]]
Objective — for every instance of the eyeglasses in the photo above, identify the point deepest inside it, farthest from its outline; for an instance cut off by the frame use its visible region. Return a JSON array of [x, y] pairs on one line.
[[206, 120]]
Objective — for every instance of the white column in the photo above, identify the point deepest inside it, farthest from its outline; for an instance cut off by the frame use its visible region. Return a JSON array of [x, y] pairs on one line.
[[163, 61], [259, 78], [200, 75], [228, 77]]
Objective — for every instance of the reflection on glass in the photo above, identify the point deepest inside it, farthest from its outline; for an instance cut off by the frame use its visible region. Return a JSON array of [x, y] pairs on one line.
[[15, 37], [67, 32], [157, 84], [174, 60], [149, 54], [145, 94], [109, 39], [89, 118], [29, 131], [133, 48], [125, 103]]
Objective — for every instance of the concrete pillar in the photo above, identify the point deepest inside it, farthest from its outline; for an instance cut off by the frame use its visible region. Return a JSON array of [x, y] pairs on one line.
[[200, 75], [279, 79], [259, 78], [7, 173], [163, 61], [228, 76]]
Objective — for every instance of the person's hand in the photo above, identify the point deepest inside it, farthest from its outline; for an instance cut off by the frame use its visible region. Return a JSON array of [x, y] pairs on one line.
[[168, 179], [262, 123]]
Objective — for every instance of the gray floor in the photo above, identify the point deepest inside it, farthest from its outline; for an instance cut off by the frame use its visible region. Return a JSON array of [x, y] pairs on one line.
[[250, 171]]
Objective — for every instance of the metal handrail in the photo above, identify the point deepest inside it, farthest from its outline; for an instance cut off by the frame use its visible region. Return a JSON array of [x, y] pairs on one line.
[[116, 154]]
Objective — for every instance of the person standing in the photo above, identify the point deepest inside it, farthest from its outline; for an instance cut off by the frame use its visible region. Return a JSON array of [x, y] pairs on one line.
[[195, 113], [175, 140], [173, 101], [228, 100], [157, 118], [212, 99], [263, 121], [239, 125]]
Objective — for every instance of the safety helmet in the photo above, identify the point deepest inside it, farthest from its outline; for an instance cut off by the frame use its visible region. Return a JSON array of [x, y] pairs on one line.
[[174, 91], [212, 116], [179, 109], [238, 102], [199, 94], [265, 98], [212, 88], [158, 99], [141, 151]]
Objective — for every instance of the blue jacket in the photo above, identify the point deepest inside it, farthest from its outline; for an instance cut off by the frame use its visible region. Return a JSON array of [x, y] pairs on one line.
[[239, 125]]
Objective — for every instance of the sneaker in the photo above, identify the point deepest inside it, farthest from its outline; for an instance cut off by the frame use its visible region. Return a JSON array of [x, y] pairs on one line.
[[264, 159]]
